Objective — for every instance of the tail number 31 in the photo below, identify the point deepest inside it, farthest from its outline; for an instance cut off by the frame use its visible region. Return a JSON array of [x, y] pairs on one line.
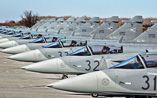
[[147, 82]]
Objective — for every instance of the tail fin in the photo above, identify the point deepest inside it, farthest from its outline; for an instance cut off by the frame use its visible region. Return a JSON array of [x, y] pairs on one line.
[[95, 20], [136, 19], [109, 25], [113, 19], [130, 30], [149, 36]]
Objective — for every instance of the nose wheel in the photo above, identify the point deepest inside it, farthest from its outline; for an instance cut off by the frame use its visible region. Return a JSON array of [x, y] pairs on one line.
[[64, 76], [94, 95]]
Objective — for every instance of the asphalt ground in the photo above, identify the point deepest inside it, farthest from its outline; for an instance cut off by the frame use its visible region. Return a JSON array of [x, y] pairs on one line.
[[18, 83]]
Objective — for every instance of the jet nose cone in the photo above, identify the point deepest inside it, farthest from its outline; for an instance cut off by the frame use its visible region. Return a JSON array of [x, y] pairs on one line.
[[6, 50], [48, 66], [78, 84], [50, 85], [24, 67], [8, 44], [30, 56], [16, 49]]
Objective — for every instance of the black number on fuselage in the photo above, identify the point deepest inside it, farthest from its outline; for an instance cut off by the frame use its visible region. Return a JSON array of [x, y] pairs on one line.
[[147, 82], [98, 63], [154, 83], [61, 54], [89, 65]]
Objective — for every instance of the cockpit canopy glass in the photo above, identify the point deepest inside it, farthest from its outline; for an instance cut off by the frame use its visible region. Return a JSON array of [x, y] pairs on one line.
[[105, 49], [148, 60], [132, 63], [53, 45], [72, 43], [96, 50], [81, 52]]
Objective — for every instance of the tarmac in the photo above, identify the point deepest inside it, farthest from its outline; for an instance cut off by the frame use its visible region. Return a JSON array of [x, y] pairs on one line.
[[18, 83]]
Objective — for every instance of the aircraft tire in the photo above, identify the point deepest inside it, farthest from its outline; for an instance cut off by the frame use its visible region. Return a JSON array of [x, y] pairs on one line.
[[94, 95], [64, 76]]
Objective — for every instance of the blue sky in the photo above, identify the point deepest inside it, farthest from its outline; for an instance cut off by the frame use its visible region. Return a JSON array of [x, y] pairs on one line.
[[13, 9]]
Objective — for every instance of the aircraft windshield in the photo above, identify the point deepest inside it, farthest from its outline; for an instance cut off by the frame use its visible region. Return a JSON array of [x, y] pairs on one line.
[[132, 63], [39, 40], [81, 52], [96, 50], [73, 43], [101, 49], [150, 60]]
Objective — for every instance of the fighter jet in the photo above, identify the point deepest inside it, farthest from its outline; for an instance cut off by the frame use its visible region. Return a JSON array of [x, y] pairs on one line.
[[57, 49], [133, 77], [92, 58]]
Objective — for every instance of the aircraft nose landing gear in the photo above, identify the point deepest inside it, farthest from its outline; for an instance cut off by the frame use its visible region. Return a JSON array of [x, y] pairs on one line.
[[64, 76], [94, 95]]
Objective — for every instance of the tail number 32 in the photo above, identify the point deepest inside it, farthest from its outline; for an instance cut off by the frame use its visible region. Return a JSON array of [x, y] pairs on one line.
[[97, 64]]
